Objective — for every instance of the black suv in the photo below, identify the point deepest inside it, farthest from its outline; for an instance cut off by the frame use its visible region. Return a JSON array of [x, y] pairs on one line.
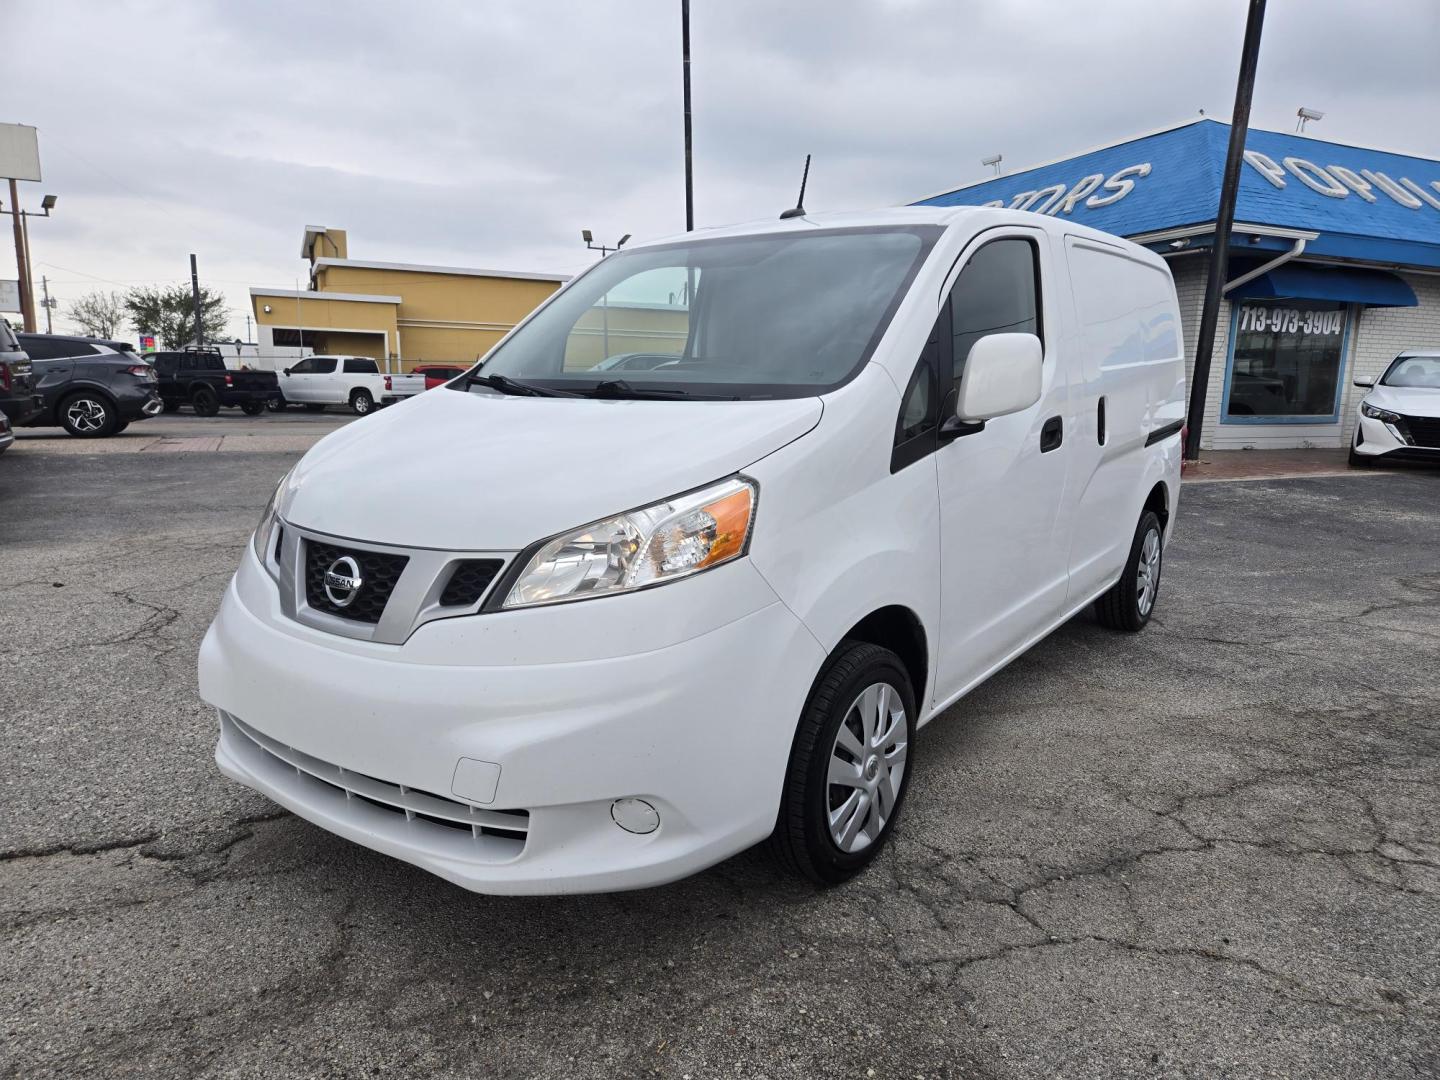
[[89, 386], [18, 400]]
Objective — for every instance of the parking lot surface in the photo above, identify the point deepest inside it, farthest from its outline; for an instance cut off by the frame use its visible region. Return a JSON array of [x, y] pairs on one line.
[[1209, 850]]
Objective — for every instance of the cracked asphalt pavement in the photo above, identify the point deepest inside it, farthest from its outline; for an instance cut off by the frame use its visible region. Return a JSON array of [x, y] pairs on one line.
[[1209, 850]]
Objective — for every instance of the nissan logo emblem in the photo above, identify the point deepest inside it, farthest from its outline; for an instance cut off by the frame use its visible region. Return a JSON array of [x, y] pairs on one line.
[[343, 581]]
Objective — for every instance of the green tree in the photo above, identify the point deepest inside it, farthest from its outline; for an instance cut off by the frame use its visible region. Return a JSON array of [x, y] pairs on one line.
[[99, 314], [169, 313]]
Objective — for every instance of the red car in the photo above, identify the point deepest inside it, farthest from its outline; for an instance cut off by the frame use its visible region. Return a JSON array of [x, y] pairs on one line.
[[437, 374]]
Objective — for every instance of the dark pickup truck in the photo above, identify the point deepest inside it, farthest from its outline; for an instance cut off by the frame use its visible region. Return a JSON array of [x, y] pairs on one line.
[[200, 378]]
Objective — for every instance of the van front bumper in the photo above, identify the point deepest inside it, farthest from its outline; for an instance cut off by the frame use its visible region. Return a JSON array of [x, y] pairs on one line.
[[400, 755]]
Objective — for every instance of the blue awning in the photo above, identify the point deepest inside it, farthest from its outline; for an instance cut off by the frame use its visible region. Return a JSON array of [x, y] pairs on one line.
[[1296, 281]]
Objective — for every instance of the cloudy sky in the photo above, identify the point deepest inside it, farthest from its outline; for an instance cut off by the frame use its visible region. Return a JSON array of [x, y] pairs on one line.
[[489, 133]]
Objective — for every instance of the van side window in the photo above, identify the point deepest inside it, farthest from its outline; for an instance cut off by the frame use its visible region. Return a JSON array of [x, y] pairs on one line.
[[998, 293], [322, 365]]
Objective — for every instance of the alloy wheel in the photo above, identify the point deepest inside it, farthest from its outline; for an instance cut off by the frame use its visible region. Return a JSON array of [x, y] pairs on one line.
[[85, 415], [1147, 572], [867, 764]]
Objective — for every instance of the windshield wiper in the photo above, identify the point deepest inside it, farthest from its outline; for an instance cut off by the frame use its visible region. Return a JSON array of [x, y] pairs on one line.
[[507, 385], [619, 388]]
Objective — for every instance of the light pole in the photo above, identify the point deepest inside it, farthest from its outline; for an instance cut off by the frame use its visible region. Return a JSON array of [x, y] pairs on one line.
[[22, 252], [685, 69], [589, 238], [1224, 220]]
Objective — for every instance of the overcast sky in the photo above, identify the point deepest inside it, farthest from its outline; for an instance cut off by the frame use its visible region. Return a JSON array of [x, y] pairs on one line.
[[488, 134]]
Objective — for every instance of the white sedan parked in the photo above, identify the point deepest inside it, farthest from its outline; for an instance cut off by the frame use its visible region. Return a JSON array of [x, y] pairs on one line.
[[1400, 417]]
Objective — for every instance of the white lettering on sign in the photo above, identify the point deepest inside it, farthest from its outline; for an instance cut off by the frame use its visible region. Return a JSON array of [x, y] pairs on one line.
[[1063, 198], [1119, 185], [1338, 182], [1283, 320], [1315, 178], [1357, 184]]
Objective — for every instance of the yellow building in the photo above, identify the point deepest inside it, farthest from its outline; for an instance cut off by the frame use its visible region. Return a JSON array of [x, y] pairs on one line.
[[400, 313]]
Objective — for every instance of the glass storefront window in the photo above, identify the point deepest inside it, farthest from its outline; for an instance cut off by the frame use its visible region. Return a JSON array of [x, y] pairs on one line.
[[1287, 361]]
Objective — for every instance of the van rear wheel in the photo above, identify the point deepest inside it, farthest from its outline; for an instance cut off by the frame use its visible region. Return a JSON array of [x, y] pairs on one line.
[[849, 765], [1131, 600]]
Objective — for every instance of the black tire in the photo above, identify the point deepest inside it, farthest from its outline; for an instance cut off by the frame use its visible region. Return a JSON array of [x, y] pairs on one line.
[[172, 406], [252, 408], [87, 415], [276, 404], [1123, 607], [120, 427], [361, 403], [204, 401], [1360, 461], [802, 840], [314, 408]]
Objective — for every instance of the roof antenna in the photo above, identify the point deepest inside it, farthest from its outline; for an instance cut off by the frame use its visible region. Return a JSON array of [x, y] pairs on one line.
[[799, 208]]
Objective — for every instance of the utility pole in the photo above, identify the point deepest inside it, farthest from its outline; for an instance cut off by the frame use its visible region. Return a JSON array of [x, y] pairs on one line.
[[22, 265], [195, 293], [47, 304], [685, 67], [1224, 221], [247, 329]]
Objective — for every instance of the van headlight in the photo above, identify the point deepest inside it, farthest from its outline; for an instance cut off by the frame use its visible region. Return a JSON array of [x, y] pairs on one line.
[[264, 539], [654, 544], [1366, 409]]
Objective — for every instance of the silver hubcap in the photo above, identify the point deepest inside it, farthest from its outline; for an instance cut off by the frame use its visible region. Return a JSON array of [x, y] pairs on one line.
[[867, 764], [1147, 574], [362, 404], [85, 415]]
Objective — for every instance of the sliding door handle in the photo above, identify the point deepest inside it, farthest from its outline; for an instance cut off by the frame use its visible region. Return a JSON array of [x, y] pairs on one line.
[[1051, 435]]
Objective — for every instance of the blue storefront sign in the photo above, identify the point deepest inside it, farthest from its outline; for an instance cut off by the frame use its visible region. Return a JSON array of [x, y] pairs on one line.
[[1323, 232], [1366, 205]]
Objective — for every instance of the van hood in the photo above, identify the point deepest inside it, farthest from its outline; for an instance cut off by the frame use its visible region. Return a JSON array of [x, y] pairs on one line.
[[484, 472]]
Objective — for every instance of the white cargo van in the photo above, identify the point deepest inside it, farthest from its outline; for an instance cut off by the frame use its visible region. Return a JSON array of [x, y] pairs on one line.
[[662, 608]]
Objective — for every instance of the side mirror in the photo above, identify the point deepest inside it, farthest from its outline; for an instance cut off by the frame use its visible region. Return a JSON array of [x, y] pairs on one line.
[[1002, 376], [287, 371], [1365, 381]]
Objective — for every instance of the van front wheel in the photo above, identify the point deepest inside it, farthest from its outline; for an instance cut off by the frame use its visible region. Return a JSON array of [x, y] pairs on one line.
[[1130, 601], [849, 765]]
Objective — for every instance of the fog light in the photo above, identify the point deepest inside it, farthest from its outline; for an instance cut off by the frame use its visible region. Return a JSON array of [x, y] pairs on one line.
[[635, 815]]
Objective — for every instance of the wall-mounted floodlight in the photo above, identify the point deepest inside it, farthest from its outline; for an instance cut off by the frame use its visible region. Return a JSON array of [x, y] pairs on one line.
[[621, 242], [1306, 115], [993, 162], [586, 235], [47, 203]]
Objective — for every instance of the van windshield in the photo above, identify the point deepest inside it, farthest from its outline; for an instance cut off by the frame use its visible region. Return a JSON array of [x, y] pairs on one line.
[[788, 315]]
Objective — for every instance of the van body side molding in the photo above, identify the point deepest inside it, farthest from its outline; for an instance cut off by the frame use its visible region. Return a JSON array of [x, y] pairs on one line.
[[1162, 433]]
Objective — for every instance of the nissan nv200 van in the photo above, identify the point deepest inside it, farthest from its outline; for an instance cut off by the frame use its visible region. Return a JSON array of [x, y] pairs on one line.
[[722, 525]]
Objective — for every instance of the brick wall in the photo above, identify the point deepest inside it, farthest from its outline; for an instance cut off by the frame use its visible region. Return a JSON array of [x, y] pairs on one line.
[[1377, 335]]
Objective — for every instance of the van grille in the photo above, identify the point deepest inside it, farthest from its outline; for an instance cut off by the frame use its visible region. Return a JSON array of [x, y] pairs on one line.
[[378, 572], [407, 813], [468, 581]]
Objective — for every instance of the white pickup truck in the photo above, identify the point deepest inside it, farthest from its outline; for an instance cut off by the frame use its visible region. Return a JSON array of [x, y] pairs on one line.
[[356, 381]]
